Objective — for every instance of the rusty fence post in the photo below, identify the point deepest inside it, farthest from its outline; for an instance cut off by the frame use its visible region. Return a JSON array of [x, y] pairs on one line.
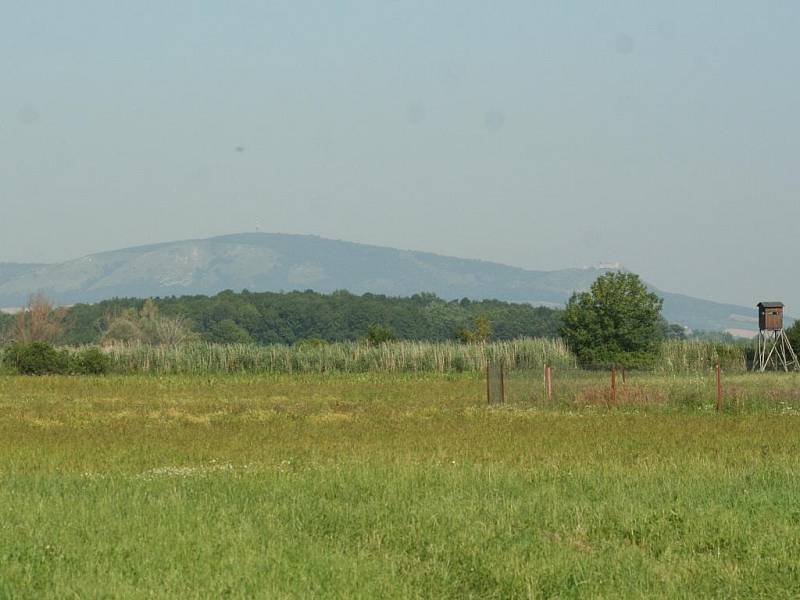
[[719, 387]]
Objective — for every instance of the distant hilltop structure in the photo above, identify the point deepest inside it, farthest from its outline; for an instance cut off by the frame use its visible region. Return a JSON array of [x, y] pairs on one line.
[[614, 266], [606, 266]]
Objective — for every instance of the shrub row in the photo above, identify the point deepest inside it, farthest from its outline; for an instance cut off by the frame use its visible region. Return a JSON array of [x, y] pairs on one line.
[[37, 358]]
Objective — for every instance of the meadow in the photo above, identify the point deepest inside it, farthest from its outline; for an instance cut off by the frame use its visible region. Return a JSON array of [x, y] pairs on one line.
[[397, 485]]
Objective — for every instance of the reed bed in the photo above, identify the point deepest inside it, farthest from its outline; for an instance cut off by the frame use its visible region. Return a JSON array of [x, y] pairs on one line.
[[345, 357], [674, 357], [692, 356]]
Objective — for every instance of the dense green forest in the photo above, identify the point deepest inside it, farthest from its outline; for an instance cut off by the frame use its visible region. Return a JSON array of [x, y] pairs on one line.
[[292, 317]]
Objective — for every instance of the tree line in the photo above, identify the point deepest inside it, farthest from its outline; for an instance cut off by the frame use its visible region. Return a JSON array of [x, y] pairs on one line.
[[284, 318], [617, 321]]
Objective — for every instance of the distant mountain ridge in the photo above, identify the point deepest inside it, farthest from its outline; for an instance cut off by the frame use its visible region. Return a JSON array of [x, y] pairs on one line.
[[10, 270], [274, 262]]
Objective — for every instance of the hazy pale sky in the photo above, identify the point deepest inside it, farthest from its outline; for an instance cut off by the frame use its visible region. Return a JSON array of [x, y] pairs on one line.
[[540, 134]]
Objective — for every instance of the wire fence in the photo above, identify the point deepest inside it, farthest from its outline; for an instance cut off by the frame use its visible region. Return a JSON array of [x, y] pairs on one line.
[[713, 388]]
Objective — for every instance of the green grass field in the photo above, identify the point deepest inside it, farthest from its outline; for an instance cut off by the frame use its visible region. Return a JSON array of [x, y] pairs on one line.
[[396, 486]]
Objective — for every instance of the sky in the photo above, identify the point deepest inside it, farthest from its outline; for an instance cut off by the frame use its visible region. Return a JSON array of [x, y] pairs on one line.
[[544, 135]]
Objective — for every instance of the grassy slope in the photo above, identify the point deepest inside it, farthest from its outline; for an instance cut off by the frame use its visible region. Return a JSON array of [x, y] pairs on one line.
[[399, 487]]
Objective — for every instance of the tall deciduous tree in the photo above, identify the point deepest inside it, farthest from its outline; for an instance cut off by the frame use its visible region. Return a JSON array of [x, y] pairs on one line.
[[617, 321], [149, 326], [38, 321]]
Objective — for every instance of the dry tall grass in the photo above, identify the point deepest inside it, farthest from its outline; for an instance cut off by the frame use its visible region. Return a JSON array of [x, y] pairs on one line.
[[345, 357], [396, 357], [681, 356]]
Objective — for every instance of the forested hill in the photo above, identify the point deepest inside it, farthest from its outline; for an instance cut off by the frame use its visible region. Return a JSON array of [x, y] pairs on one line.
[[267, 262], [295, 316]]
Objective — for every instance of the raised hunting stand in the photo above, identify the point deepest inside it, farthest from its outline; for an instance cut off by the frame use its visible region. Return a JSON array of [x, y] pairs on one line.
[[774, 348]]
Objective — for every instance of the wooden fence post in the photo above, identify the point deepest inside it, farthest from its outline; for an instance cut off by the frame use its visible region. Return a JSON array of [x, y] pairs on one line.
[[546, 368], [719, 387], [488, 382], [550, 384], [502, 384], [614, 386]]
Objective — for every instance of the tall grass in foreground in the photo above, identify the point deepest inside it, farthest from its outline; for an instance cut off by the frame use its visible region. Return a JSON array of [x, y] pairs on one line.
[[344, 357]]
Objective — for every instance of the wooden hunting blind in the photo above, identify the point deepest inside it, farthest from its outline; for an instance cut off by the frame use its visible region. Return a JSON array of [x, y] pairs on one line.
[[774, 349], [770, 316]]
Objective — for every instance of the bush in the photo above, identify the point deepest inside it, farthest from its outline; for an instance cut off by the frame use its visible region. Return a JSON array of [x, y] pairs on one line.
[[91, 361], [36, 358], [379, 334], [481, 333]]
